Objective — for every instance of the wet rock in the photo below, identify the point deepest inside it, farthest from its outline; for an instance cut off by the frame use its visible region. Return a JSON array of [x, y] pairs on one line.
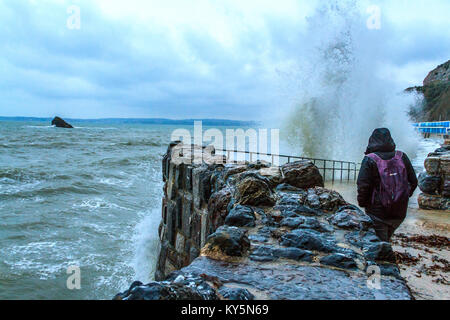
[[291, 205], [231, 170], [442, 150], [302, 174], [351, 217], [259, 238], [339, 260], [265, 233], [445, 165], [270, 253], [294, 254], [60, 123], [263, 254], [308, 240], [236, 293], [380, 251], [324, 199], [284, 187], [362, 239], [293, 281], [182, 288], [201, 185], [254, 192], [446, 188], [305, 223], [430, 184], [227, 240], [241, 216], [272, 174], [260, 164], [432, 165], [218, 207], [386, 269], [429, 202]]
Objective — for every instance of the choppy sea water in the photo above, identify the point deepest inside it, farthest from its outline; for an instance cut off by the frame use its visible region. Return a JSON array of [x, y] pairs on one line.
[[88, 197]]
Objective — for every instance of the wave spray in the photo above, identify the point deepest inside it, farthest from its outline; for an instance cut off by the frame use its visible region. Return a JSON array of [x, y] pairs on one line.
[[337, 92]]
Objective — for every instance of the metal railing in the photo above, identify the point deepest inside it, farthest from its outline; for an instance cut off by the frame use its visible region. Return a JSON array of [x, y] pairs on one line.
[[331, 169]]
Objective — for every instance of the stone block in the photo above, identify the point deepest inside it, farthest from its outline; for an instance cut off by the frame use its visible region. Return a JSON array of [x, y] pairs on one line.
[[432, 165], [429, 202], [186, 216], [180, 241], [171, 222], [445, 166]]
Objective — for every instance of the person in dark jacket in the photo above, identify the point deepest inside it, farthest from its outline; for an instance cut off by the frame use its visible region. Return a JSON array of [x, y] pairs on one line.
[[386, 220]]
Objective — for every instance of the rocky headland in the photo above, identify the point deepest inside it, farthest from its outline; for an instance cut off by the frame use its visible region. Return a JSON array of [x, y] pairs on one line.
[[436, 95], [251, 231]]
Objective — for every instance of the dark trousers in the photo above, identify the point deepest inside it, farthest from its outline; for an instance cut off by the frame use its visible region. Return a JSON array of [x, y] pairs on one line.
[[385, 229]]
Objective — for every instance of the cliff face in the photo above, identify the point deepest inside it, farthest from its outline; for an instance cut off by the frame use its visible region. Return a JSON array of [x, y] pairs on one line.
[[436, 93], [252, 231]]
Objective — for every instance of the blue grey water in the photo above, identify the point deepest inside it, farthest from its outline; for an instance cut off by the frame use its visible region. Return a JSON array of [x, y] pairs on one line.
[[88, 197]]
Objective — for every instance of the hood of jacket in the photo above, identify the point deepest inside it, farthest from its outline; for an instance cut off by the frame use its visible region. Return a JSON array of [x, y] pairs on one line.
[[380, 141]]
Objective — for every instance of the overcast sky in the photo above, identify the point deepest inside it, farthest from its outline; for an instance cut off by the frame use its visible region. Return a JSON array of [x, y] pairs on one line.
[[185, 58]]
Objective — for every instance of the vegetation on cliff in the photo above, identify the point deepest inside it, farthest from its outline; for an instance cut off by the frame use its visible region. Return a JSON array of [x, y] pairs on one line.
[[435, 105]]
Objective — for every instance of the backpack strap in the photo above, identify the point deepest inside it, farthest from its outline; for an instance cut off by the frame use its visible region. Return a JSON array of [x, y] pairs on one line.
[[398, 155], [374, 157]]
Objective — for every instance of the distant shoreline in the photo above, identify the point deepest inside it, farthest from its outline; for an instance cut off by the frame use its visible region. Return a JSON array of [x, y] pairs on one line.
[[207, 122]]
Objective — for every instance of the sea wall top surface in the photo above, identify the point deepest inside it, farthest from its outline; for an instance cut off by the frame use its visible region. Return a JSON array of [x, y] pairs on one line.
[[252, 231]]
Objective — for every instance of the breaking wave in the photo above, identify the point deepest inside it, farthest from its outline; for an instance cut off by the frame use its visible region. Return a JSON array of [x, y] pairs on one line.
[[338, 94]]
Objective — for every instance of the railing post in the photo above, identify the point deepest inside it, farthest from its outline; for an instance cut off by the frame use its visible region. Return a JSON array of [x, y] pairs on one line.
[[334, 165]]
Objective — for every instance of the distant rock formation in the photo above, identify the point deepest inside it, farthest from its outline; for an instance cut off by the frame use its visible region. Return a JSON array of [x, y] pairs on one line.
[[60, 123], [244, 232], [436, 93]]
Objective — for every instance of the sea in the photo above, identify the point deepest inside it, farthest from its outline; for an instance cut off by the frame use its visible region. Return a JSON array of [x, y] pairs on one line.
[[87, 198]]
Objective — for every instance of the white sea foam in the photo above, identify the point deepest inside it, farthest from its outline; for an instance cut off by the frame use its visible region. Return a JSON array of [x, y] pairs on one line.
[[337, 93], [146, 243]]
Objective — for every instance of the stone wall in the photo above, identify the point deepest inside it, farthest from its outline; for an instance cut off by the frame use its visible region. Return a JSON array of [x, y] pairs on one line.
[[435, 181], [252, 231]]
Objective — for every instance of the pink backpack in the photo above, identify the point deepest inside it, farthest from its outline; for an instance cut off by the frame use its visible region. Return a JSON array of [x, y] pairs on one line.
[[394, 185]]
